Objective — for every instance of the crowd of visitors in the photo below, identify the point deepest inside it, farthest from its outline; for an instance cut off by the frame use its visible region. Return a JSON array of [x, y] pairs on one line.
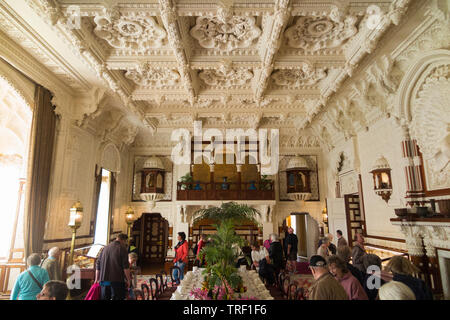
[[340, 273], [358, 274], [41, 280]]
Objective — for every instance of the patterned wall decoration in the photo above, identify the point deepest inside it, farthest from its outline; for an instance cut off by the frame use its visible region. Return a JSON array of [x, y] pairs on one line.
[[168, 166], [282, 177]]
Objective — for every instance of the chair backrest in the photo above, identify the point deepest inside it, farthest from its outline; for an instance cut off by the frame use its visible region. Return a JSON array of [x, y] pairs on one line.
[[292, 289], [165, 278], [160, 283], [145, 291], [299, 294], [153, 289], [285, 286]]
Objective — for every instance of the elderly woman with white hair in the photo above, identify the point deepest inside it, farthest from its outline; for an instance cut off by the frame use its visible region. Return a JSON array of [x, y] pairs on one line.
[[30, 282], [51, 264], [395, 290]]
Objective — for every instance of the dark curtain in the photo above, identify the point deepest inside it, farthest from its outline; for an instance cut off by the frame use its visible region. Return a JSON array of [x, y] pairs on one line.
[[97, 186], [41, 148], [112, 196]]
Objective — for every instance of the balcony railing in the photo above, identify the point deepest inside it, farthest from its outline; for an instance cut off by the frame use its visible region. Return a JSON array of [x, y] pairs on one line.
[[225, 191]]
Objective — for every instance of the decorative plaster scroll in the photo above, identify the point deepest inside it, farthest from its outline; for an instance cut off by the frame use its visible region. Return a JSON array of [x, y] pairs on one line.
[[153, 77], [226, 76], [316, 33], [304, 76], [237, 32], [136, 30]]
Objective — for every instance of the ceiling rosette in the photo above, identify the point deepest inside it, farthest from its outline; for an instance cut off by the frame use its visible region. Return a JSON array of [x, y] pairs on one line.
[[236, 32], [316, 33], [135, 31]]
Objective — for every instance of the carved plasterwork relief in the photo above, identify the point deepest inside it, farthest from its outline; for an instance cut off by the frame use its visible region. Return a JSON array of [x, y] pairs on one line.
[[136, 31], [430, 126], [226, 76], [214, 33], [305, 76], [321, 32], [147, 76]]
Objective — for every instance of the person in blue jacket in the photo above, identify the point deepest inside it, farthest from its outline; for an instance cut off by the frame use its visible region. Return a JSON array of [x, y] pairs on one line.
[[30, 282]]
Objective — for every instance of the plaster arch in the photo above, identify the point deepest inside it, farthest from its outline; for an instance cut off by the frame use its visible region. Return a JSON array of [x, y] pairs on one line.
[[110, 158], [414, 78], [23, 87]]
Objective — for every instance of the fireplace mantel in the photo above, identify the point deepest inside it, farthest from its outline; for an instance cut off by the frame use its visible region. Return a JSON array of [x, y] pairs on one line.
[[426, 239]]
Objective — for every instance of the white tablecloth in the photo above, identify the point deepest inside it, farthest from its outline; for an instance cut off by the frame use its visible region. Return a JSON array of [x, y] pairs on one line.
[[194, 279]]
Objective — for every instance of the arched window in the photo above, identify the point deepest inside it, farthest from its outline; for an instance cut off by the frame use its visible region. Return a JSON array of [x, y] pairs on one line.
[[15, 127]]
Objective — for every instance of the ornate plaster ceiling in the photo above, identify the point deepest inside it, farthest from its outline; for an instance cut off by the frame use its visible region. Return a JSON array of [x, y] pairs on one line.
[[228, 62]]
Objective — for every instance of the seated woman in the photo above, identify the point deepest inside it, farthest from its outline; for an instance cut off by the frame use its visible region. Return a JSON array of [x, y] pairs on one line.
[[258, 253], [403, 271]]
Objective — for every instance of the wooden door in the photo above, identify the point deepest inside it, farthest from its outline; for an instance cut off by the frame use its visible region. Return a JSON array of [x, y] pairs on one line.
[[355, 222], [153, 238]]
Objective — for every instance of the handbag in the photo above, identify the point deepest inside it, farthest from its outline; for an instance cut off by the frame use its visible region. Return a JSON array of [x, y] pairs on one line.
[[34, 279], [94, 292]]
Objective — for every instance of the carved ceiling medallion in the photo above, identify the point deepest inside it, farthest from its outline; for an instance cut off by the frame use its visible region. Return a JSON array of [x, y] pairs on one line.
[[134, 31], [237, 32], [316, 33], [226, 76], [305, 76], [154, 77]]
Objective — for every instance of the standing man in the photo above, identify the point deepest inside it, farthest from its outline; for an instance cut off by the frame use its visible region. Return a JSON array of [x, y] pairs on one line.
[[291, 252], [358, 252], [325, 287], [113, 269], [51, 264], [341, 239]]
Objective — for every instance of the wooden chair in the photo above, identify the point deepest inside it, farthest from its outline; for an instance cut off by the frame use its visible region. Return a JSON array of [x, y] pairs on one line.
[[292, 289], [165, 280], [153, 289], [280, 279], [299, 294], [145, 291], [160, 283], [172, 278], [285, 286]]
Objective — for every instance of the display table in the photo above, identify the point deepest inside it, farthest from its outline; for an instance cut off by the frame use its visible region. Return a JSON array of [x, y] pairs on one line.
[[193, 280]]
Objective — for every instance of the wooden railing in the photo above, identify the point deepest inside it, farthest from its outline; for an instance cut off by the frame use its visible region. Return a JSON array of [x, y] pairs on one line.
[[226, 191]]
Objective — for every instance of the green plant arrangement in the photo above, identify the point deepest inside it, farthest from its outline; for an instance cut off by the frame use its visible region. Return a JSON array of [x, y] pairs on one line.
[[265, 183], [186, 181], [222, 279]]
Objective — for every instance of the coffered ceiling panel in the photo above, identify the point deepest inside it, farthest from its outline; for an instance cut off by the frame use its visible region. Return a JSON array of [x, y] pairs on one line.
[[165, 57]]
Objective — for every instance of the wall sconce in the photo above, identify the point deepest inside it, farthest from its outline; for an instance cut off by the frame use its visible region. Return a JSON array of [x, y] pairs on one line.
[[75, 219], [129, 219], [382, 182], [324, 216]]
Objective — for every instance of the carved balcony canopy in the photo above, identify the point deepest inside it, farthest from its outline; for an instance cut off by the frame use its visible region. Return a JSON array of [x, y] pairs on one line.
[[298, 179], [152, 180], [382, 181]]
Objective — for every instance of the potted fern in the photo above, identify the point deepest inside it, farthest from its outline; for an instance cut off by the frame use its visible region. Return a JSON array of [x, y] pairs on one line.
[[186, 181], [222, 277]]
